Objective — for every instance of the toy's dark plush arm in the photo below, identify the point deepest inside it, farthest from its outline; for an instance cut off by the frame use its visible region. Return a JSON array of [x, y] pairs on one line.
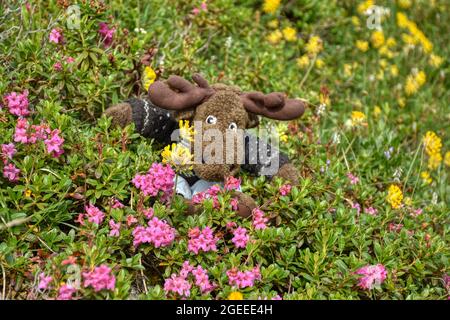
[[150, 120], [265, 159]]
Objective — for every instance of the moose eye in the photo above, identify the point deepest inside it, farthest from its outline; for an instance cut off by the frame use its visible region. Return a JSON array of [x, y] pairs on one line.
[[211, 120], [232, 126]]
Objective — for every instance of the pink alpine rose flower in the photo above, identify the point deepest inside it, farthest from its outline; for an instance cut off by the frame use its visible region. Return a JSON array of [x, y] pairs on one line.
[[371, 275], [55, 36], [100, 279]]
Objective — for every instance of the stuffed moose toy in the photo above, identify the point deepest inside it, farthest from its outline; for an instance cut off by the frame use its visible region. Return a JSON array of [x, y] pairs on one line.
[[219, 107]]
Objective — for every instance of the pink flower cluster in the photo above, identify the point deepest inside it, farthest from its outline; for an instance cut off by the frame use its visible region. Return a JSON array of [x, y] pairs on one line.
[[353, 179], [202, 240], [179, 283], [44, 281], [66, 292], [94, 214], [100, 278], [24, 133], [159, 178], [115, 228], [211, 193], [11, 172], [53, 143], [259, 220], [203, 7], [56, 36], [371, 211], [243, 279], [232, 183], [18, 103], [240, 237], [116, 204], [106, 34], [158, 232], [285, 189], [371, 275]]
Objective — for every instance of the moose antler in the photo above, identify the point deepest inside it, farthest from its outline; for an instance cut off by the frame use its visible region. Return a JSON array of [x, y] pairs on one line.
[[177, 93], [274, 105]]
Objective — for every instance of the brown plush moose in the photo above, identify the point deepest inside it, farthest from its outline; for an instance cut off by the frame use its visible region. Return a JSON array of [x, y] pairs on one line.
[[219, 107]]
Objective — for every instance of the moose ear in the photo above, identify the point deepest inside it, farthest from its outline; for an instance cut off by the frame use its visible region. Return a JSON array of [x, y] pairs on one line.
[[186, 114], [253, 120]]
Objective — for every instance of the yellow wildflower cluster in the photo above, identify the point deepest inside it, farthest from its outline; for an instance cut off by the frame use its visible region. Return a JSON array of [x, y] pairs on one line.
[[289, 34], [358, 118], [270, 6], [377, 39], [282, 129], [178, 156], [414, 81], [314, 46], [235, 295], [275, 36], [303, 61], [362, 45], [415, 36], [435, 60], [362, 7], [433, 146], [349, 69], [395, 196], [149, 77], [186, 131], [425, 175]]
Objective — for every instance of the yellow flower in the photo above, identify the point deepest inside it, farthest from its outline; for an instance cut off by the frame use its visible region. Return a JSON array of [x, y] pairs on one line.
[[414, 82], [421, 78], [411, 85], [303, 61], [380, 75], [425, 175], [27, 193], [376, 111], [355, 21], [235, 295], [432, 142], [395, 196], [362, 45], [358, 118], [273, 24], [320, 63], [435, 61], [390, 42], [408, 201], [270, 6], [275, 37], [290, 34], [186, 131], [377, 38], [362, 7], [177, 156], [314, 46], [348, 70], [408, 39], [402, 20], [282, 128], [383, 63], [401, 102], [447, 159], [148, 77], [434, 161], [394, 70], [404, 4]]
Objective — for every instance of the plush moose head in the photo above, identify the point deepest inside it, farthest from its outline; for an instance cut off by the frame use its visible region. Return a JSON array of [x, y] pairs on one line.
[[220, 107]]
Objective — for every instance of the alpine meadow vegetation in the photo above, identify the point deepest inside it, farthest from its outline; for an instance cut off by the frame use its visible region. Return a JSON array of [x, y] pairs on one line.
[[87, 210]]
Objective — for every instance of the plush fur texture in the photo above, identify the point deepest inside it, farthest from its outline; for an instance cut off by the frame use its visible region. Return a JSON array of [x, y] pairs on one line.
[[176, 99]]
